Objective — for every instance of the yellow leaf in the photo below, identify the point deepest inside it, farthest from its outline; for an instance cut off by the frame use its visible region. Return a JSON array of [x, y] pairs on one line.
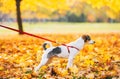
[[74, 69], [90, 76], [1, 68]]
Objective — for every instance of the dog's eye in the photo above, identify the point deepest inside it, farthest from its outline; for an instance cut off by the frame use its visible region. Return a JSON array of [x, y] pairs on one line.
[[88, 38]]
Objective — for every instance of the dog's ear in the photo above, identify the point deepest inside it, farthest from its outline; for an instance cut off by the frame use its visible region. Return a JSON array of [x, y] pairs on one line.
[[86, 38]]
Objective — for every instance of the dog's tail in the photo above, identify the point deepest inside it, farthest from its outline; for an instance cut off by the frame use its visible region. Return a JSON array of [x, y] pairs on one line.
[[45, 43]]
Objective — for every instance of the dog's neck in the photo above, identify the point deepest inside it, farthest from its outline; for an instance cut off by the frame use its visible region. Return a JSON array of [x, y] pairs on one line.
[[79, 43]]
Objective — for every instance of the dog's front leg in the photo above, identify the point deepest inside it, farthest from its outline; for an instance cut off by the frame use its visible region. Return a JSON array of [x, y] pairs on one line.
[[70, 62]]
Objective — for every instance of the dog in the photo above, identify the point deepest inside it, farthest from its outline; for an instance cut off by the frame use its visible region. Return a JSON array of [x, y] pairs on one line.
[[67, 51]]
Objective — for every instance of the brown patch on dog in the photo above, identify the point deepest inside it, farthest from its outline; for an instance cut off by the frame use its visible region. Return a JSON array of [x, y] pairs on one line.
[[86, 38]]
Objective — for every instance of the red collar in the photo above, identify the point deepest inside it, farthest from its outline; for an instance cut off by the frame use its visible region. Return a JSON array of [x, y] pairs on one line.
[[70, 47]]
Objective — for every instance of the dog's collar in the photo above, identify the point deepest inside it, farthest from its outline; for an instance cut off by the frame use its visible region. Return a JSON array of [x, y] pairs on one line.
[[70, 47]]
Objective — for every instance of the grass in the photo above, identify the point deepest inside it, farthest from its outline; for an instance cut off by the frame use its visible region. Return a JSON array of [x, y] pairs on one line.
[[55, 27]]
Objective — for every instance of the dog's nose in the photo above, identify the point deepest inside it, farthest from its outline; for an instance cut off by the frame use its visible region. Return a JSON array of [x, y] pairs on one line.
[[91, 42]]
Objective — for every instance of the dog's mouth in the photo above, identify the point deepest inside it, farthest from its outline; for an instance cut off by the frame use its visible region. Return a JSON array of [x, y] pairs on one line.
[[91, 42]]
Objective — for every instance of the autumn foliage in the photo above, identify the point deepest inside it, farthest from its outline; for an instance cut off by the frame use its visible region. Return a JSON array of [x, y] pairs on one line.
[[20, 54], [42, 9]]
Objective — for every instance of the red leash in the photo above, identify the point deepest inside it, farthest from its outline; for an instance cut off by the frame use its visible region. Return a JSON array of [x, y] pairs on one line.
[[39, 37], [28, 34]]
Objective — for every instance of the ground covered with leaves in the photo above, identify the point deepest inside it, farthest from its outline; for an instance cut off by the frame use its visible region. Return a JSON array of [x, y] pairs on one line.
[[20, 54]]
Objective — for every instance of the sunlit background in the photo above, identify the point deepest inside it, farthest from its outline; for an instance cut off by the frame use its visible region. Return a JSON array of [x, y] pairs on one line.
[[61, 10]]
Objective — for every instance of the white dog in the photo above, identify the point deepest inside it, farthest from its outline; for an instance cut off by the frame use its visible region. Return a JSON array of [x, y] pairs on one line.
[[67, 51]]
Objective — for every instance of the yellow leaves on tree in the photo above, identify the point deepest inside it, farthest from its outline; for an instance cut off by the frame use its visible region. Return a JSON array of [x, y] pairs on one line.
[[111, 7], [7, 6], [43, 8], [46, 8]]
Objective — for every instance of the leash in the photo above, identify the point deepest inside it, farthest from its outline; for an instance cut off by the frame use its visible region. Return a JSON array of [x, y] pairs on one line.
[[39, 37]]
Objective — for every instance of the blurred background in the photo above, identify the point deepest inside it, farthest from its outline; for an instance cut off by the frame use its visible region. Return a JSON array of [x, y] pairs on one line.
[[64, 11]]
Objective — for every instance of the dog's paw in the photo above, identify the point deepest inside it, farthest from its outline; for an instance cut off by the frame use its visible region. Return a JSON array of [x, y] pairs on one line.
[[36, 69], [35, 74]]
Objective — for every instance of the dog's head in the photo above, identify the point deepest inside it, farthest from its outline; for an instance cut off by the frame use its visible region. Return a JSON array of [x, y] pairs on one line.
[[87, 38]]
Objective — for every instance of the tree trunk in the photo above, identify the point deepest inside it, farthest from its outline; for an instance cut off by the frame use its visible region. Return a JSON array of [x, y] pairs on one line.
[[19, 20]]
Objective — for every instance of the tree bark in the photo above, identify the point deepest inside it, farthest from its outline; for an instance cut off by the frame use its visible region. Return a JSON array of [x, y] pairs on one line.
[[19, 20]]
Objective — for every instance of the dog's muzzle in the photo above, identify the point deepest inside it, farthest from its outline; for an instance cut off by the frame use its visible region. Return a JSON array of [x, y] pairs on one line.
[[91, 42]]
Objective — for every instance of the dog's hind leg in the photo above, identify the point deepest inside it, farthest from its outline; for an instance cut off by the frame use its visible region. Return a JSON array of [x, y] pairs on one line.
[[43, 62]]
